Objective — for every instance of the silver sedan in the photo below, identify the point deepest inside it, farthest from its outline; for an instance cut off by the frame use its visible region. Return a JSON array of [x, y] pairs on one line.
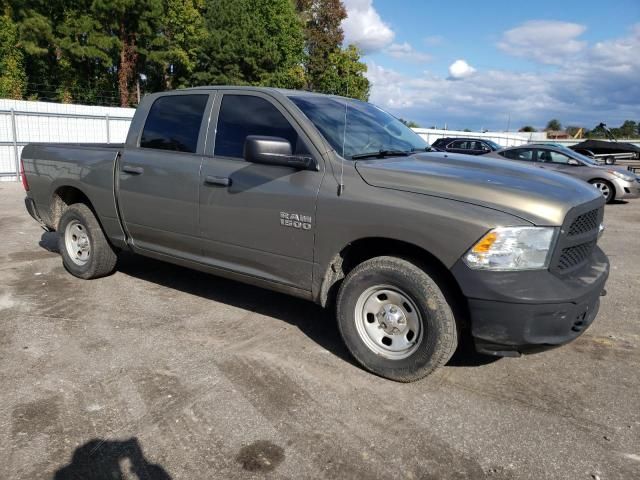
[[615, 183]]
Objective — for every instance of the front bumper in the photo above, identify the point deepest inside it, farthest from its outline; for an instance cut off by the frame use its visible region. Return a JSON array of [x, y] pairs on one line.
[[525, 312], [626, 189]]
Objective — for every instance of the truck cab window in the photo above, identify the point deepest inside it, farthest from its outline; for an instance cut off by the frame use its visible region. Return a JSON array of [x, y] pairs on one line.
[[244, 115], [174, 122]]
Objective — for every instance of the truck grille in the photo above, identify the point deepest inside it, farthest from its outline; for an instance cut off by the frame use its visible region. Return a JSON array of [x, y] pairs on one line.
[[584, 223], [573, 256], [578, 238]]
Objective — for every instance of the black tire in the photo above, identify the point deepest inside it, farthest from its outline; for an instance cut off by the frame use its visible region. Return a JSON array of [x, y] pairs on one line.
[[101, 258], [439, 336], [611, 195]]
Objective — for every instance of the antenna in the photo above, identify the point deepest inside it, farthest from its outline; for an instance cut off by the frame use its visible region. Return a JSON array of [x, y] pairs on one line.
[[344, 138]]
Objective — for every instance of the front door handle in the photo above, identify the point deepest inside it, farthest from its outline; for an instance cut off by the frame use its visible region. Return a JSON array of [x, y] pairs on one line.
[[133, 170], [221, 181]]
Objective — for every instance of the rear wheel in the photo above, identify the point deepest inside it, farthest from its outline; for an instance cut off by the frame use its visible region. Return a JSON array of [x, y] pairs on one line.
[[85, 251], [606, 189], [395, 320]]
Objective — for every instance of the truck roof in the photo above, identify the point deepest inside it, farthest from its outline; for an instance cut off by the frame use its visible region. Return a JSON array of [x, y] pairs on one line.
[[283, 91]]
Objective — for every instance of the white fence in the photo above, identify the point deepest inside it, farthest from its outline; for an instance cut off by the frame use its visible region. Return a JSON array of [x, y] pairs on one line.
[[22, 122]]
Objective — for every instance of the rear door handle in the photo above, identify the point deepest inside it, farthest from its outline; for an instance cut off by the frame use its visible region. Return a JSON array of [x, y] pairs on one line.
[[221, 181], [133, 170]]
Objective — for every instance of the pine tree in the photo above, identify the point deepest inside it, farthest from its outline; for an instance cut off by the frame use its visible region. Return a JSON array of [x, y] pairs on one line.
[[13, 78], [134, 24], [252, 42], [173, 56]]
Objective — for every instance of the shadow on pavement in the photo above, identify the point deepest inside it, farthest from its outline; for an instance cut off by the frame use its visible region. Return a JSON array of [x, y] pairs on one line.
[[49, 241], [111, 460], [314, 321], [467, 356]]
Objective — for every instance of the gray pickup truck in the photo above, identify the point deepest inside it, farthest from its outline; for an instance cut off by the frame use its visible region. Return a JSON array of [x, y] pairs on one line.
[[334, 200]]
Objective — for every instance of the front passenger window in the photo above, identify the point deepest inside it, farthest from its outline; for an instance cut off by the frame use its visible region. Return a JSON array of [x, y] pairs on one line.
[[244, 115]]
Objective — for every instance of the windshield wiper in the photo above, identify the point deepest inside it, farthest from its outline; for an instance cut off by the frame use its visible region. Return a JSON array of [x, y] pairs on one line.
[[381, 154]]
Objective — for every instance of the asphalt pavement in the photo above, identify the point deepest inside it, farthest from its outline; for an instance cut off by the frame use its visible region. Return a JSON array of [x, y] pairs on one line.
[[158, 372]]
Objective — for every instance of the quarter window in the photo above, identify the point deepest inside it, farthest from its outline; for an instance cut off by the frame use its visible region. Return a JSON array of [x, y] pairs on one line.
[[244, 115], [174, 122]]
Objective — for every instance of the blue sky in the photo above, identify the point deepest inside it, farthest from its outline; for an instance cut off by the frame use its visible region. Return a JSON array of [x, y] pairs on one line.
[[474, 64]]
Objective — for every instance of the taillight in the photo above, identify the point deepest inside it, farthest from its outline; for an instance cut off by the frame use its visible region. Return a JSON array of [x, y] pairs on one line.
[[25, 184]]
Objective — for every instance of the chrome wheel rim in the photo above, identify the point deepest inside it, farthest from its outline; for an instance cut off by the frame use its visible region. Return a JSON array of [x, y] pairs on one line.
[[603, 187], [388, 322], [77, 243]]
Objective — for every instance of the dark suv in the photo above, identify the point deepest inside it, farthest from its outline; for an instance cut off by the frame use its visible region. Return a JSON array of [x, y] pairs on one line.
[[470, 146]]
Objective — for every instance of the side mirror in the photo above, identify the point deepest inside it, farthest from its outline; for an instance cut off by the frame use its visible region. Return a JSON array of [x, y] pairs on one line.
[[274, 151], [574, 162]]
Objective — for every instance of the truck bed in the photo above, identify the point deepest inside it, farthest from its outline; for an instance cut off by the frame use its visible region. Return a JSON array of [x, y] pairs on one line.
[[54, 169]]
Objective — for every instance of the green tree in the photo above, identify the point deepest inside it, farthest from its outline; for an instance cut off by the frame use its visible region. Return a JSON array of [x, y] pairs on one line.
[[323, 35], [345, 75], [86, 60], [252, 42], [629, 129], [88, 49], [174, 51], [134, 25], [554, 125], [326, 59], [13, 78], [528, 129]]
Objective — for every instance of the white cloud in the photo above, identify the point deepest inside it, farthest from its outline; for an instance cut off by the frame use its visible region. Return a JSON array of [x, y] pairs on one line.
[[601, 84], [545, 41], [460, 69], [404, 51], [364, 27]]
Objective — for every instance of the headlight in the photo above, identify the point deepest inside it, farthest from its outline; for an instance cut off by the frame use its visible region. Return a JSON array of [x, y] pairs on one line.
[[513, 248], [627, 177]]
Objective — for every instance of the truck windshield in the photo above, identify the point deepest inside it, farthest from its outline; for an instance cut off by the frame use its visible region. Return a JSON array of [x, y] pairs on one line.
[[368, 129]]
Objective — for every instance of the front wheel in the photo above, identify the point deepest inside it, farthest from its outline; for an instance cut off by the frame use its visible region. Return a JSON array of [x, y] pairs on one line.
[[606, 189], [85, 251], [395, 320]]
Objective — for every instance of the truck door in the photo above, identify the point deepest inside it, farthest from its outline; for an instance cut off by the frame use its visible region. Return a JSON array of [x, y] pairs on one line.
[[257, 219], [159, 176]]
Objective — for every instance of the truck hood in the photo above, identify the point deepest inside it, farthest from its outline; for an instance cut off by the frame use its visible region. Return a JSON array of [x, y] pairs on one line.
[[531, 193]]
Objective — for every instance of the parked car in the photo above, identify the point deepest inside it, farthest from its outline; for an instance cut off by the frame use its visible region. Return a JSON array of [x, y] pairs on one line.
[[469, 146], [615, 183], [335, 201]]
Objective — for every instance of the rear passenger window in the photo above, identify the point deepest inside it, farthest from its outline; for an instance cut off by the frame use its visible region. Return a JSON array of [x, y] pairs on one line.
[[461, 144], [174, 122], [518, 154], [244, 115]]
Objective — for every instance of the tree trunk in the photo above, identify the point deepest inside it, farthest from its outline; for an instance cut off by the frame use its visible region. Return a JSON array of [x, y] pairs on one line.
[[126, 70]]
